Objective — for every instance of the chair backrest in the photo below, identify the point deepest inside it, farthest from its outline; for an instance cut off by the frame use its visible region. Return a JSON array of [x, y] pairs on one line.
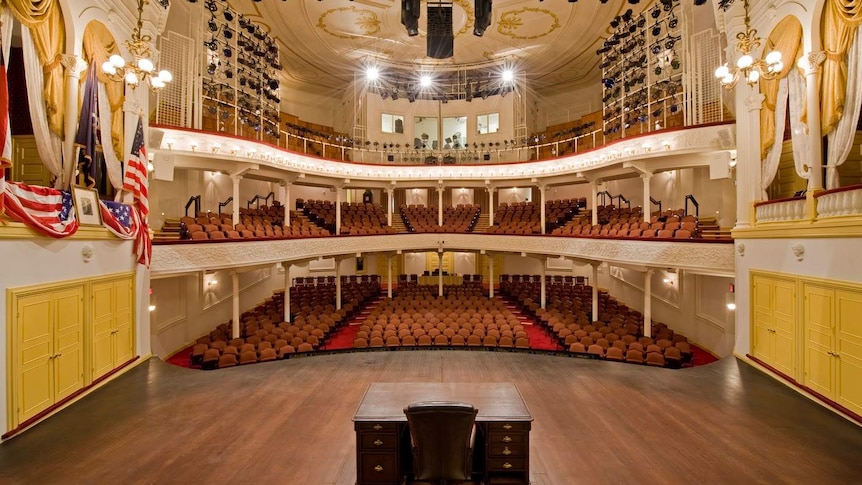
[[442, 435]]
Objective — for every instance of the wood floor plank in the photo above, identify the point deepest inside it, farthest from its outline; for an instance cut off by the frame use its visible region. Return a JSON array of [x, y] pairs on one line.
[[289, 423]]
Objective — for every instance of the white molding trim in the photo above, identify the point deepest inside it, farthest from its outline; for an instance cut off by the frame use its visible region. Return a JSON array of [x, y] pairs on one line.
[[698, 313], [183, 258], [256, 282]]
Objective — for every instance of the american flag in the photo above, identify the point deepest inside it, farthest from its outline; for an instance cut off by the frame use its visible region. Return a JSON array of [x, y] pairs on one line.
[[46, 210], [120, 219], [135, 181]]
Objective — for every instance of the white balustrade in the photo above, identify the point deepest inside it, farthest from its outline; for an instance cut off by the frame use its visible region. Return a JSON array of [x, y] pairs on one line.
[[780, 211], [840, 203]]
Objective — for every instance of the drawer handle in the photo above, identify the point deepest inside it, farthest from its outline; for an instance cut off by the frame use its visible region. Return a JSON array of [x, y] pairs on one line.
[[378, 442], [507, 465], [378, 468], [377, 427], [507, 426], [507, 439], [507, 451]]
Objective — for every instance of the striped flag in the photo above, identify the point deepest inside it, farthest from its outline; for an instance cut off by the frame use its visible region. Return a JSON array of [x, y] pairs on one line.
[[46, 210], [5, 132], [135, 181], [88, 128]]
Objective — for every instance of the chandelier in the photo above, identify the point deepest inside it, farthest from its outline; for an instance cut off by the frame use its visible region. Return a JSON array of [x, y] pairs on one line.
[[747, 67], [142, 68]]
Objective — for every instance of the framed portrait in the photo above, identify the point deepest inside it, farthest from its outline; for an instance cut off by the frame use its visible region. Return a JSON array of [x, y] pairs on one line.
[[360, 265], [87, 206]]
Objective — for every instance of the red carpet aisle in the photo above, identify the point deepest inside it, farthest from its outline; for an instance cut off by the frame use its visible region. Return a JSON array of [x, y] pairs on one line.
[[182, 358], [539, 338], [343, 339]]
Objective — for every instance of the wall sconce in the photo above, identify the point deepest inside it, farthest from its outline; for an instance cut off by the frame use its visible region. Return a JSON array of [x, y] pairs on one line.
[[731, 306], [170, 143], [647, 148], [152, 308], [215, 148], [193, 145], [212, 282], [251, 152], [666, 144], [234, 150]]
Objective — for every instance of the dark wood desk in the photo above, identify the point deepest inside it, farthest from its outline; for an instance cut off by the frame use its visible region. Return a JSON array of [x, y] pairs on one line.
[[502, 450]]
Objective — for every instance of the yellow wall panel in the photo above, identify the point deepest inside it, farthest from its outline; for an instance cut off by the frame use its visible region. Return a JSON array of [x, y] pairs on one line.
[[102, 323], [849, 350], [819, 324], [123, 315], [35, 390], [69, 335]]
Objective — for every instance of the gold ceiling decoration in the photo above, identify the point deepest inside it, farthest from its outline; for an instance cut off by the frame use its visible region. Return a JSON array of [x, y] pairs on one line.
[[514, 20], [365, 21]]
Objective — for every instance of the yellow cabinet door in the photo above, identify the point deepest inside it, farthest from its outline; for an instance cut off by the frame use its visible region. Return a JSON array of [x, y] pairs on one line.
[[784, 327], [819, 341], [69, 338], [35, 349], [124, 330], [761, 319], [849, 350], [102, 297]]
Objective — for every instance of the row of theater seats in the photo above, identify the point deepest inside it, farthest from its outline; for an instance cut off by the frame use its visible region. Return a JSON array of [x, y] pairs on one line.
[[617, 329], [421, 219], [357, 218], [264, 335], [255, 223], [556, 279], [330, 280], [525, 217], [416, 316]]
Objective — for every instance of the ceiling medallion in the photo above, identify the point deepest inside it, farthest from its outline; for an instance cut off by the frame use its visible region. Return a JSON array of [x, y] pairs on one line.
[[366, 22], [513, 20]]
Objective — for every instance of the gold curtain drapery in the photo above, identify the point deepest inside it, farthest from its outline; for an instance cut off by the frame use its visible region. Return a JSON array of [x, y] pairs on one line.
[[45, 21], [840, 20], [785, 38], [98, 45]]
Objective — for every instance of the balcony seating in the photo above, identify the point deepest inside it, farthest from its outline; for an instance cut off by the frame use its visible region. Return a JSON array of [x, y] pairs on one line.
[[364, 218], [421, 219]]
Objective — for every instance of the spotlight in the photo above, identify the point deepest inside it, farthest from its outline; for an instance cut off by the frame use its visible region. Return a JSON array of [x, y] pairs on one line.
[[508, 75], [372, 73], [425, 81], [482, 10], [410, 16]]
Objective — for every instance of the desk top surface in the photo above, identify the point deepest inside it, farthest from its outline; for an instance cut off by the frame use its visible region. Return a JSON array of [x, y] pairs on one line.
[[496, 401]]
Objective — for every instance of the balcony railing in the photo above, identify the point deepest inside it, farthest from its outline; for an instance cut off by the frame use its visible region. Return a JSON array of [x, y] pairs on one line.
[[840, 202], [780, 210]]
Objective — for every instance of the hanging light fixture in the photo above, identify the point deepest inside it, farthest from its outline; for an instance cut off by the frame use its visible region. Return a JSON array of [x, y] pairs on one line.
[[747, 67], [142, 68]]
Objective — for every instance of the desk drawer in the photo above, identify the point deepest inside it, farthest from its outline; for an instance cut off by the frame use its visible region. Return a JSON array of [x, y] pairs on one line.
[[510, 438], [507, 451], [378, 468], [369, 441], [505, 427], [376, 426], [506, 464]]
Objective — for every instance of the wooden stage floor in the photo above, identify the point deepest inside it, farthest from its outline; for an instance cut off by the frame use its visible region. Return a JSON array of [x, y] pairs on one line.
[[288, 422]]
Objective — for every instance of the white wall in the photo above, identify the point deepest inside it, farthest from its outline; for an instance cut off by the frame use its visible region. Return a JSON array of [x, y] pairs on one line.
[[376, 106], [511, 195], [464, 263], [188, 307], [692, 305], [42, 261], [567, 106]]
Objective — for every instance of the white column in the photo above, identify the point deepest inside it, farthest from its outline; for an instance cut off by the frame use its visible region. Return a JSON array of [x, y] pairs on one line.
[[74, 66], [389, 193], [389, 276], [490, 275], [594, 203], [287, 284], [338, 213], [647, 206], [748, 173], [648, 303], [440, 274], [440, 206], [812, 62], [337, 284], [234, 277], [542, 210], [287, 203], [491, 191], [543, 286], [594, 281], [235, 206]]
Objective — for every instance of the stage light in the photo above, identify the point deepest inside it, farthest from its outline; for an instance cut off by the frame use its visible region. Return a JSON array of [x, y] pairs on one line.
[[372, 73], [425, 81], [508, 75]]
